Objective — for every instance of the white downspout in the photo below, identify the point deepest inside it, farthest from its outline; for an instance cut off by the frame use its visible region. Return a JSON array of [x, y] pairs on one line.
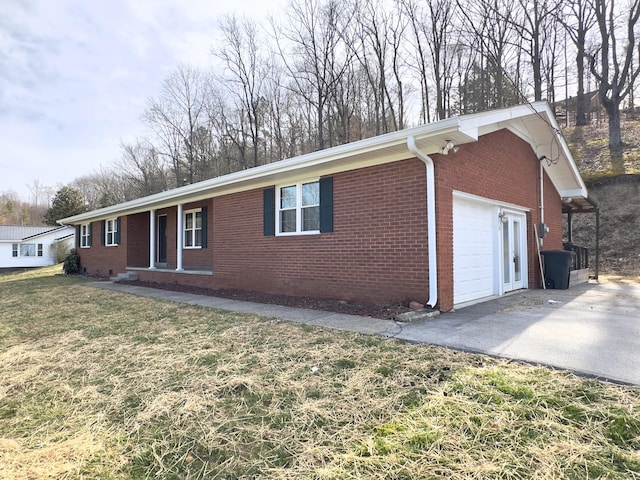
[[431, 221]]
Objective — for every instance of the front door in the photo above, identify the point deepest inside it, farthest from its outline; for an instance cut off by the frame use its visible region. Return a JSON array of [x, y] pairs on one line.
[[162, 239], [513, 251]]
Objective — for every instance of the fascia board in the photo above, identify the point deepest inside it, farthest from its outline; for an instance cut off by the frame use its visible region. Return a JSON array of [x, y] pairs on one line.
[[576, 192], [371, 151], [252, 178], [48, 232]]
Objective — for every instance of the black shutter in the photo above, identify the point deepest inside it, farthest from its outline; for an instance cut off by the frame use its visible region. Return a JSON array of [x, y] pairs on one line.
[[269, 211], [78, 237], [117, 239], [204, 227], [90, 234], [102, 231], [326, 204]]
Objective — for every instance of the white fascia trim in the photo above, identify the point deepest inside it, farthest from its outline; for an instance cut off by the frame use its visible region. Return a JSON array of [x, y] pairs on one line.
[[48, 232], [183, 194], [576, 192], [489, 201], [431, 220]]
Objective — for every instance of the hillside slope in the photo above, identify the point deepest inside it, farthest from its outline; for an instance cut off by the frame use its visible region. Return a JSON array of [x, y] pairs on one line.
[[615, 184]]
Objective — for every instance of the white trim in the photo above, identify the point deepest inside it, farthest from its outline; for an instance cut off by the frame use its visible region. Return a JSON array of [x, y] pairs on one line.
[[193, 230], [536, 118], [489, 201], [85, 235], [524, 252], [114, 222], [152, 239], [298, 208], [180, 240], [495, 207]]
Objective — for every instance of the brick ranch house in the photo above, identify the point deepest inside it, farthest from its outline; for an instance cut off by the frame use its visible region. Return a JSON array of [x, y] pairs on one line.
[[444, 213]]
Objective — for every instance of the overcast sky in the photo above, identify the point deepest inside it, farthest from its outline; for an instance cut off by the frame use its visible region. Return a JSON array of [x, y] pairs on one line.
[[75, 76]]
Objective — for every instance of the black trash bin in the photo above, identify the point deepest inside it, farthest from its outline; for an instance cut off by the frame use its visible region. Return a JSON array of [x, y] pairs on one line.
[[557, 268]]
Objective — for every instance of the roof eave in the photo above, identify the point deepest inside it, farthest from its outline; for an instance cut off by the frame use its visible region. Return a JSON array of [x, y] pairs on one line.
[[260, 173]]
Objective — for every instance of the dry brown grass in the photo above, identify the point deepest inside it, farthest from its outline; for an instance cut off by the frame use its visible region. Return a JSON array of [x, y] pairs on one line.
[[97, 384]]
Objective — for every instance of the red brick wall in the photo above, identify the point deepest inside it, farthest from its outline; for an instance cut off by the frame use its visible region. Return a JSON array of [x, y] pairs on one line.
[[99, 260], [137, 240], [376, 253], [552, 216], [502, 167], [201, 258], [378, 250]]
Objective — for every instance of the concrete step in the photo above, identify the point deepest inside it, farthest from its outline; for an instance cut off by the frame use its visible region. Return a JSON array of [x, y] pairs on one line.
[[128, 276], [417, 315]]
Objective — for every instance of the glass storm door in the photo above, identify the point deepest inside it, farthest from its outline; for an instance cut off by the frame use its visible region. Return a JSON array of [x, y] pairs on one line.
[[513, 251]]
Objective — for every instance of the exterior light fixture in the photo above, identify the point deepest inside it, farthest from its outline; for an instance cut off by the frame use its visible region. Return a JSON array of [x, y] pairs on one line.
[[450, 146]]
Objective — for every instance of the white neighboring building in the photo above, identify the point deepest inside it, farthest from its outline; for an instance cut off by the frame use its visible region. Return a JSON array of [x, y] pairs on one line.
[[33, 246]]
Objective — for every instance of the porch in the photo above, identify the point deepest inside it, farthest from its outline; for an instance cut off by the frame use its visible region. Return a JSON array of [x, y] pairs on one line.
[[580, 263], [169, 240]]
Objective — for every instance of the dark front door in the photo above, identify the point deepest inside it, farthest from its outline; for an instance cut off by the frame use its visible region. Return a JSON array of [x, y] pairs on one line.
[[162, 239]]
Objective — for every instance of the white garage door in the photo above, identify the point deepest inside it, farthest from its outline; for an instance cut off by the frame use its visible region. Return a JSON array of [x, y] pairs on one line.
[[473, 250]]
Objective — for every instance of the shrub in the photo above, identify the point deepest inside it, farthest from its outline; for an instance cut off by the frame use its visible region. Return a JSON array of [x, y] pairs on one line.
[[60, 251], [72, 263]]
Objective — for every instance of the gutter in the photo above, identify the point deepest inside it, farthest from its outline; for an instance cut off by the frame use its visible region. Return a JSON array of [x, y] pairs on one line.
[[431, 220]]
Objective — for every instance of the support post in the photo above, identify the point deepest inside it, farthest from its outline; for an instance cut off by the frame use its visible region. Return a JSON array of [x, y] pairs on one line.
[[152, 240], [180, 234]]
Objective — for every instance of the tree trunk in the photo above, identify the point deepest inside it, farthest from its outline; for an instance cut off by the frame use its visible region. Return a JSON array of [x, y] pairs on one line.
[[581, 117], [615, 135]]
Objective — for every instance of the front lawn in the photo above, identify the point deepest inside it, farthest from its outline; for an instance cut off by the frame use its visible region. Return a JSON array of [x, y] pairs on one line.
[[99, 384]]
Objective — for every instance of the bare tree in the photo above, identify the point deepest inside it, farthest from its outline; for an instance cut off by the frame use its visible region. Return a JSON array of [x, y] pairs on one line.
[[490, 32], [175, 118], [89, 187], [578, 18], [246, 68], [615, 75], [413, 12], [438, 30], [535, 18], [315, 57], [141, 169], [375, 40]]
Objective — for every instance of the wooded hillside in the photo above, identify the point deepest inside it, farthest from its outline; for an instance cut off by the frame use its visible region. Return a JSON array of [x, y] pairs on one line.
[[615, 184]]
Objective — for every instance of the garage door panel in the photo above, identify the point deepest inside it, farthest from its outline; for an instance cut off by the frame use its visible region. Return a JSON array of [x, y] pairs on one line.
[[473, 250]]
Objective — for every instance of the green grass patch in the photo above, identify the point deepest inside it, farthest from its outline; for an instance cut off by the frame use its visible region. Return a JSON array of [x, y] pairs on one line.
[[98, 384]]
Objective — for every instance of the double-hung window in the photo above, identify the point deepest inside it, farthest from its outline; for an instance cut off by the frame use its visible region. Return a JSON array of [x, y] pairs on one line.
[[193, 228], [14, 250], [111, 232], [40, 250], [85, 235], [298, 209]]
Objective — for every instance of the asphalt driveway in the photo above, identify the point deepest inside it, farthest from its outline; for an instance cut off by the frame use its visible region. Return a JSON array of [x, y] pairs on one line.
[[591, 328]]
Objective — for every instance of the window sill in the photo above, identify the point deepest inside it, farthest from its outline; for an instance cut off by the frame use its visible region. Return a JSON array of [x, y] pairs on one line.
[[298, 234]]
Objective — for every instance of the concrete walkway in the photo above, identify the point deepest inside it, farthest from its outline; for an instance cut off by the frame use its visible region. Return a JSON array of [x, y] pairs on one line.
[[592, 329]]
